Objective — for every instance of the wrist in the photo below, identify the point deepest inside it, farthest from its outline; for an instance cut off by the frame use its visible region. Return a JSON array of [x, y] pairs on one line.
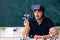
[[26, 25]]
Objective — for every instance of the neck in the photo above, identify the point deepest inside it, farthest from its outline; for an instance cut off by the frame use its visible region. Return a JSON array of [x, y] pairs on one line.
[[39, 21]]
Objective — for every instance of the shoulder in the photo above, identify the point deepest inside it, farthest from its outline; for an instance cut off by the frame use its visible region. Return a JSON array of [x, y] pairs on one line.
[[49, 22]]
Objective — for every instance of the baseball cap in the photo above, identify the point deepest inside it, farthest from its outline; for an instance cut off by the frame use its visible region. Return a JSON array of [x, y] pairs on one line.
[[38, 7]]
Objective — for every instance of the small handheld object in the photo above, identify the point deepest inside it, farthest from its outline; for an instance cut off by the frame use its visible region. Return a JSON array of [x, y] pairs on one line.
[[26, 16]]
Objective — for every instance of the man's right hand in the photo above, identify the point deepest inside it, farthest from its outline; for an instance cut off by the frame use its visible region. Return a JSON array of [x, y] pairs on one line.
[[26, 22]]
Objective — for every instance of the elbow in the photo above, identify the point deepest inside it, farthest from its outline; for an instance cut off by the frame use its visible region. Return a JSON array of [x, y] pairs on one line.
[[54, 31]]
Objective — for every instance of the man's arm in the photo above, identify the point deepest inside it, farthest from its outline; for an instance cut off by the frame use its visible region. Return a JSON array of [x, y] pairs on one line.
[[52, 30], [42, 36], [26, 28], [26, 31]]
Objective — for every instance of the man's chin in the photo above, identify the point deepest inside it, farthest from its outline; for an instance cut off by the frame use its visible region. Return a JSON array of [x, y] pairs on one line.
[[37, 18]]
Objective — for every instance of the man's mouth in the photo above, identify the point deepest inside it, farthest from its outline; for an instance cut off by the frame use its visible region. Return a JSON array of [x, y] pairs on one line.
[[37, 16]]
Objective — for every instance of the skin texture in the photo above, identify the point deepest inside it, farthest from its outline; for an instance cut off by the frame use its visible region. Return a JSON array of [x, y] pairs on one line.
[[38, 16]]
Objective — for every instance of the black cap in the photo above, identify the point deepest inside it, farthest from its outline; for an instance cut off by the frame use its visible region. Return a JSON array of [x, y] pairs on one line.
[[38, 7]]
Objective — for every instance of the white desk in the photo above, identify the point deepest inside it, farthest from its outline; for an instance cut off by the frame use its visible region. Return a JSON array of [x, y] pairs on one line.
[[13, 38]]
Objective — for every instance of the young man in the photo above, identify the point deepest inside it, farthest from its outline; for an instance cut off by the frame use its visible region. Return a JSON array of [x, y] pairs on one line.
[[39, 26]]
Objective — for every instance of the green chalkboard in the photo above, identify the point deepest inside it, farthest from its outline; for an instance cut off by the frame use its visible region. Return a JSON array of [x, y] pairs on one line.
[[12, 11]]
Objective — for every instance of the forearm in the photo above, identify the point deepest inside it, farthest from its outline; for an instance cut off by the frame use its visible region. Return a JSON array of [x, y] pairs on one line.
[[45, 36], [24, 34], [25, 31], [48, 36]]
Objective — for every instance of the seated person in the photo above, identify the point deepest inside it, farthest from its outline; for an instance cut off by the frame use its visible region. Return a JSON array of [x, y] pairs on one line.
[[39, 25]]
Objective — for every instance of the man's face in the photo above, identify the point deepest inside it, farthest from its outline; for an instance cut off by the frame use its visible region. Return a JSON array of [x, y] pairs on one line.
[[38, 14]]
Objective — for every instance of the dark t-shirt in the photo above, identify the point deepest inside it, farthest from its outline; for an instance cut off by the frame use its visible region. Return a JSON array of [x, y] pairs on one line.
[[42, 29]]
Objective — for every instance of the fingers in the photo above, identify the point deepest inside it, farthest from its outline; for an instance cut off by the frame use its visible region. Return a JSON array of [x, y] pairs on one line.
[[36, 36], [26, 22]]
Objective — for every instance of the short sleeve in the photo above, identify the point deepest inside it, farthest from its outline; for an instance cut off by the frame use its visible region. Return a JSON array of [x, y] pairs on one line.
[[51, 23]]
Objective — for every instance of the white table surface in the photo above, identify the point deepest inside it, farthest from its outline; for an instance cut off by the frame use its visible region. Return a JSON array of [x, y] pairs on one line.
[[14, 38]]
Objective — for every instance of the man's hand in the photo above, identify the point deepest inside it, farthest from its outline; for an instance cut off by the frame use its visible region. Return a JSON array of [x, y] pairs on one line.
[[26, 22], [36, 36]]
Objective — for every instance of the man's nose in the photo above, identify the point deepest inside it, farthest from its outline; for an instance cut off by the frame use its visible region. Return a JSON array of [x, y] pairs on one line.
[[37, 13]]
